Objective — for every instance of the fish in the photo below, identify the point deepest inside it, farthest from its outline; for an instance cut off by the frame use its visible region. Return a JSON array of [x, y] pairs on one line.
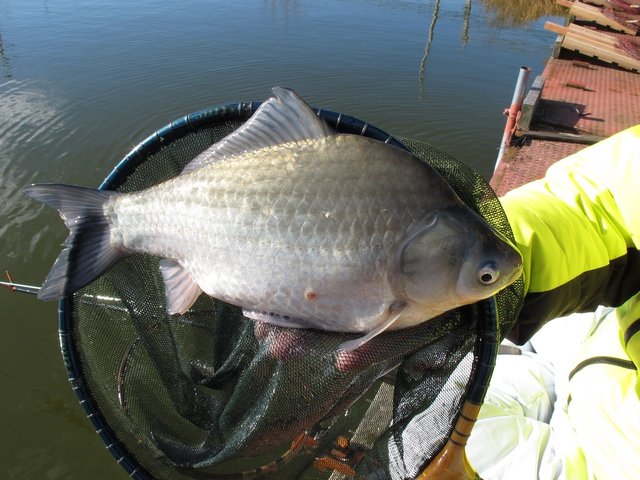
[[299, 225]]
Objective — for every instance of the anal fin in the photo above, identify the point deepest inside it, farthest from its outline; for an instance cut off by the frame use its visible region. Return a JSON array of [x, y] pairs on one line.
[[180, 288]]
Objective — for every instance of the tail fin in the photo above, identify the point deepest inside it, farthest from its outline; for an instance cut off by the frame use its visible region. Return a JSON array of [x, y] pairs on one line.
[[87, 251]]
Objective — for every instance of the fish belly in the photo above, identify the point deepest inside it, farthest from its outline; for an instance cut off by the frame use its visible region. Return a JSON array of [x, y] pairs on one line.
[[309, 230]]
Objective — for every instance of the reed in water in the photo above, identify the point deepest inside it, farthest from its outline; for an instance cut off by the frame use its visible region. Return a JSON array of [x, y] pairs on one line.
[[511, 13]]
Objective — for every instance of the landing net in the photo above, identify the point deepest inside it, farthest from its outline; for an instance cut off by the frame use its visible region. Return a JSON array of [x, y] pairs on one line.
[[212, 395]]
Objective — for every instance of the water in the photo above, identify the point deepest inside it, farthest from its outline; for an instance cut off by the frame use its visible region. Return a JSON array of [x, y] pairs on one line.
[[81, 82]]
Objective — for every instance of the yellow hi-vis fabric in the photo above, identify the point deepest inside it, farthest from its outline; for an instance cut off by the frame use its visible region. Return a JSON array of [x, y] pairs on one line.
[[578, 230], [628, 316], [603, 409]]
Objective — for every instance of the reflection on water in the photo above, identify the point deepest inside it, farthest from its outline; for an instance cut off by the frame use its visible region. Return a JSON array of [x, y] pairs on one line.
[[74, 102], [29, 124], [26, 113], [465, 23], [510, 13], [427, 48], [4, 58], [285, 5]]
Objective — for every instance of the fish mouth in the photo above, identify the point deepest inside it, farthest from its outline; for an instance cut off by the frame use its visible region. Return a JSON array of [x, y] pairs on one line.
[[515, 274], [512, 257]]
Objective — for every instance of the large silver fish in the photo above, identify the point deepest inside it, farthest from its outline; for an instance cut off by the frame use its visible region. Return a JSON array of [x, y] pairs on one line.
[[299, 225]]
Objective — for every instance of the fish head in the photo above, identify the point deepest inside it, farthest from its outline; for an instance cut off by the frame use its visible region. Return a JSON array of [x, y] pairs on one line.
[[455, 258], [491, 263]]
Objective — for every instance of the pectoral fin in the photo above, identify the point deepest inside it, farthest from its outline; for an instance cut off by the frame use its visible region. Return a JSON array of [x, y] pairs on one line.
[[394, 312], [180, 288]]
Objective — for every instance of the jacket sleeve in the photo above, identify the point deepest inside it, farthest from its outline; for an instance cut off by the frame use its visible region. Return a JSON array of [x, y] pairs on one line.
[[578, 230]]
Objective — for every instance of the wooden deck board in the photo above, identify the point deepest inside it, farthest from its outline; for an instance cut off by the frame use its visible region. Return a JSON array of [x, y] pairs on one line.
[[609, 98], [529, 162], [595, 44], [574, 102], [605, 17]]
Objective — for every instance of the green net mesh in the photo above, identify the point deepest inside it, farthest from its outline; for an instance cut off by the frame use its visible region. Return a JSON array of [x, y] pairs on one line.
[[212, 395]]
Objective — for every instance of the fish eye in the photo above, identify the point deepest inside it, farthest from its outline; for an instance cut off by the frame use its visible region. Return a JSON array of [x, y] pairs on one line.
[[488, 274]]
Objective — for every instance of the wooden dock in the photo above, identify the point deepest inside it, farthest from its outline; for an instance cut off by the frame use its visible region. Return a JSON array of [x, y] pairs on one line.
[[604, 15], [589, 90]]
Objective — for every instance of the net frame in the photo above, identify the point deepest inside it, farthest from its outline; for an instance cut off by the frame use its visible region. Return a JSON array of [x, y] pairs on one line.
[[489, 326]]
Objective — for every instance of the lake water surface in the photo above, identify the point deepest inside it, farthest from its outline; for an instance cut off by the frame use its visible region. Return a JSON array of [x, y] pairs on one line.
[[83, 81]]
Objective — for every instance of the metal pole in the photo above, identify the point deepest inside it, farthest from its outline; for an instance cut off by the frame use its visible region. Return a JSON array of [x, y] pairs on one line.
[[112, 303], [512, 112], [17, 287]]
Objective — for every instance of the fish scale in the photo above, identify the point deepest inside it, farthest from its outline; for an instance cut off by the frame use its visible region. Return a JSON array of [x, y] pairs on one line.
[[292, 262]]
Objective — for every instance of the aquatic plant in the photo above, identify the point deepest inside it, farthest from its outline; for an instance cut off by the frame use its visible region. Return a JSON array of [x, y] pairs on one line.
[[511, 13]]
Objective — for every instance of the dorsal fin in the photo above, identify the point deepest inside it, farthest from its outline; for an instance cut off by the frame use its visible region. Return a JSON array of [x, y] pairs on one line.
[[280, 119]]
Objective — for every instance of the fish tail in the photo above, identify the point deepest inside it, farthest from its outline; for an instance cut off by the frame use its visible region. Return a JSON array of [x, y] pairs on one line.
[[88, 251]]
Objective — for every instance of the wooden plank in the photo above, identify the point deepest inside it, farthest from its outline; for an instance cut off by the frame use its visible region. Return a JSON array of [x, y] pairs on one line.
[[587, 34], [593, 44], [605, 54], [595, 14], [555, 28], [596, 37]]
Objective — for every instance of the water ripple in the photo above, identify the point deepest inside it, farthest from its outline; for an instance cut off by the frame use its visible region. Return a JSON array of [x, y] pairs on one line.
[[30, 123]]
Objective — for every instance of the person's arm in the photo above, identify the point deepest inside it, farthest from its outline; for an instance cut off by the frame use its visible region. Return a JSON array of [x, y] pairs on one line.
[[578, 230]]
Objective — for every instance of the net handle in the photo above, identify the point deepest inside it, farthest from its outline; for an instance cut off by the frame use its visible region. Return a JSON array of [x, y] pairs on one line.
[[451, 463]]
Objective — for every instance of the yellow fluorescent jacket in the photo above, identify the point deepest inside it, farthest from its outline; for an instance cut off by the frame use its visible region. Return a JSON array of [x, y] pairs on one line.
[[578, 230]]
